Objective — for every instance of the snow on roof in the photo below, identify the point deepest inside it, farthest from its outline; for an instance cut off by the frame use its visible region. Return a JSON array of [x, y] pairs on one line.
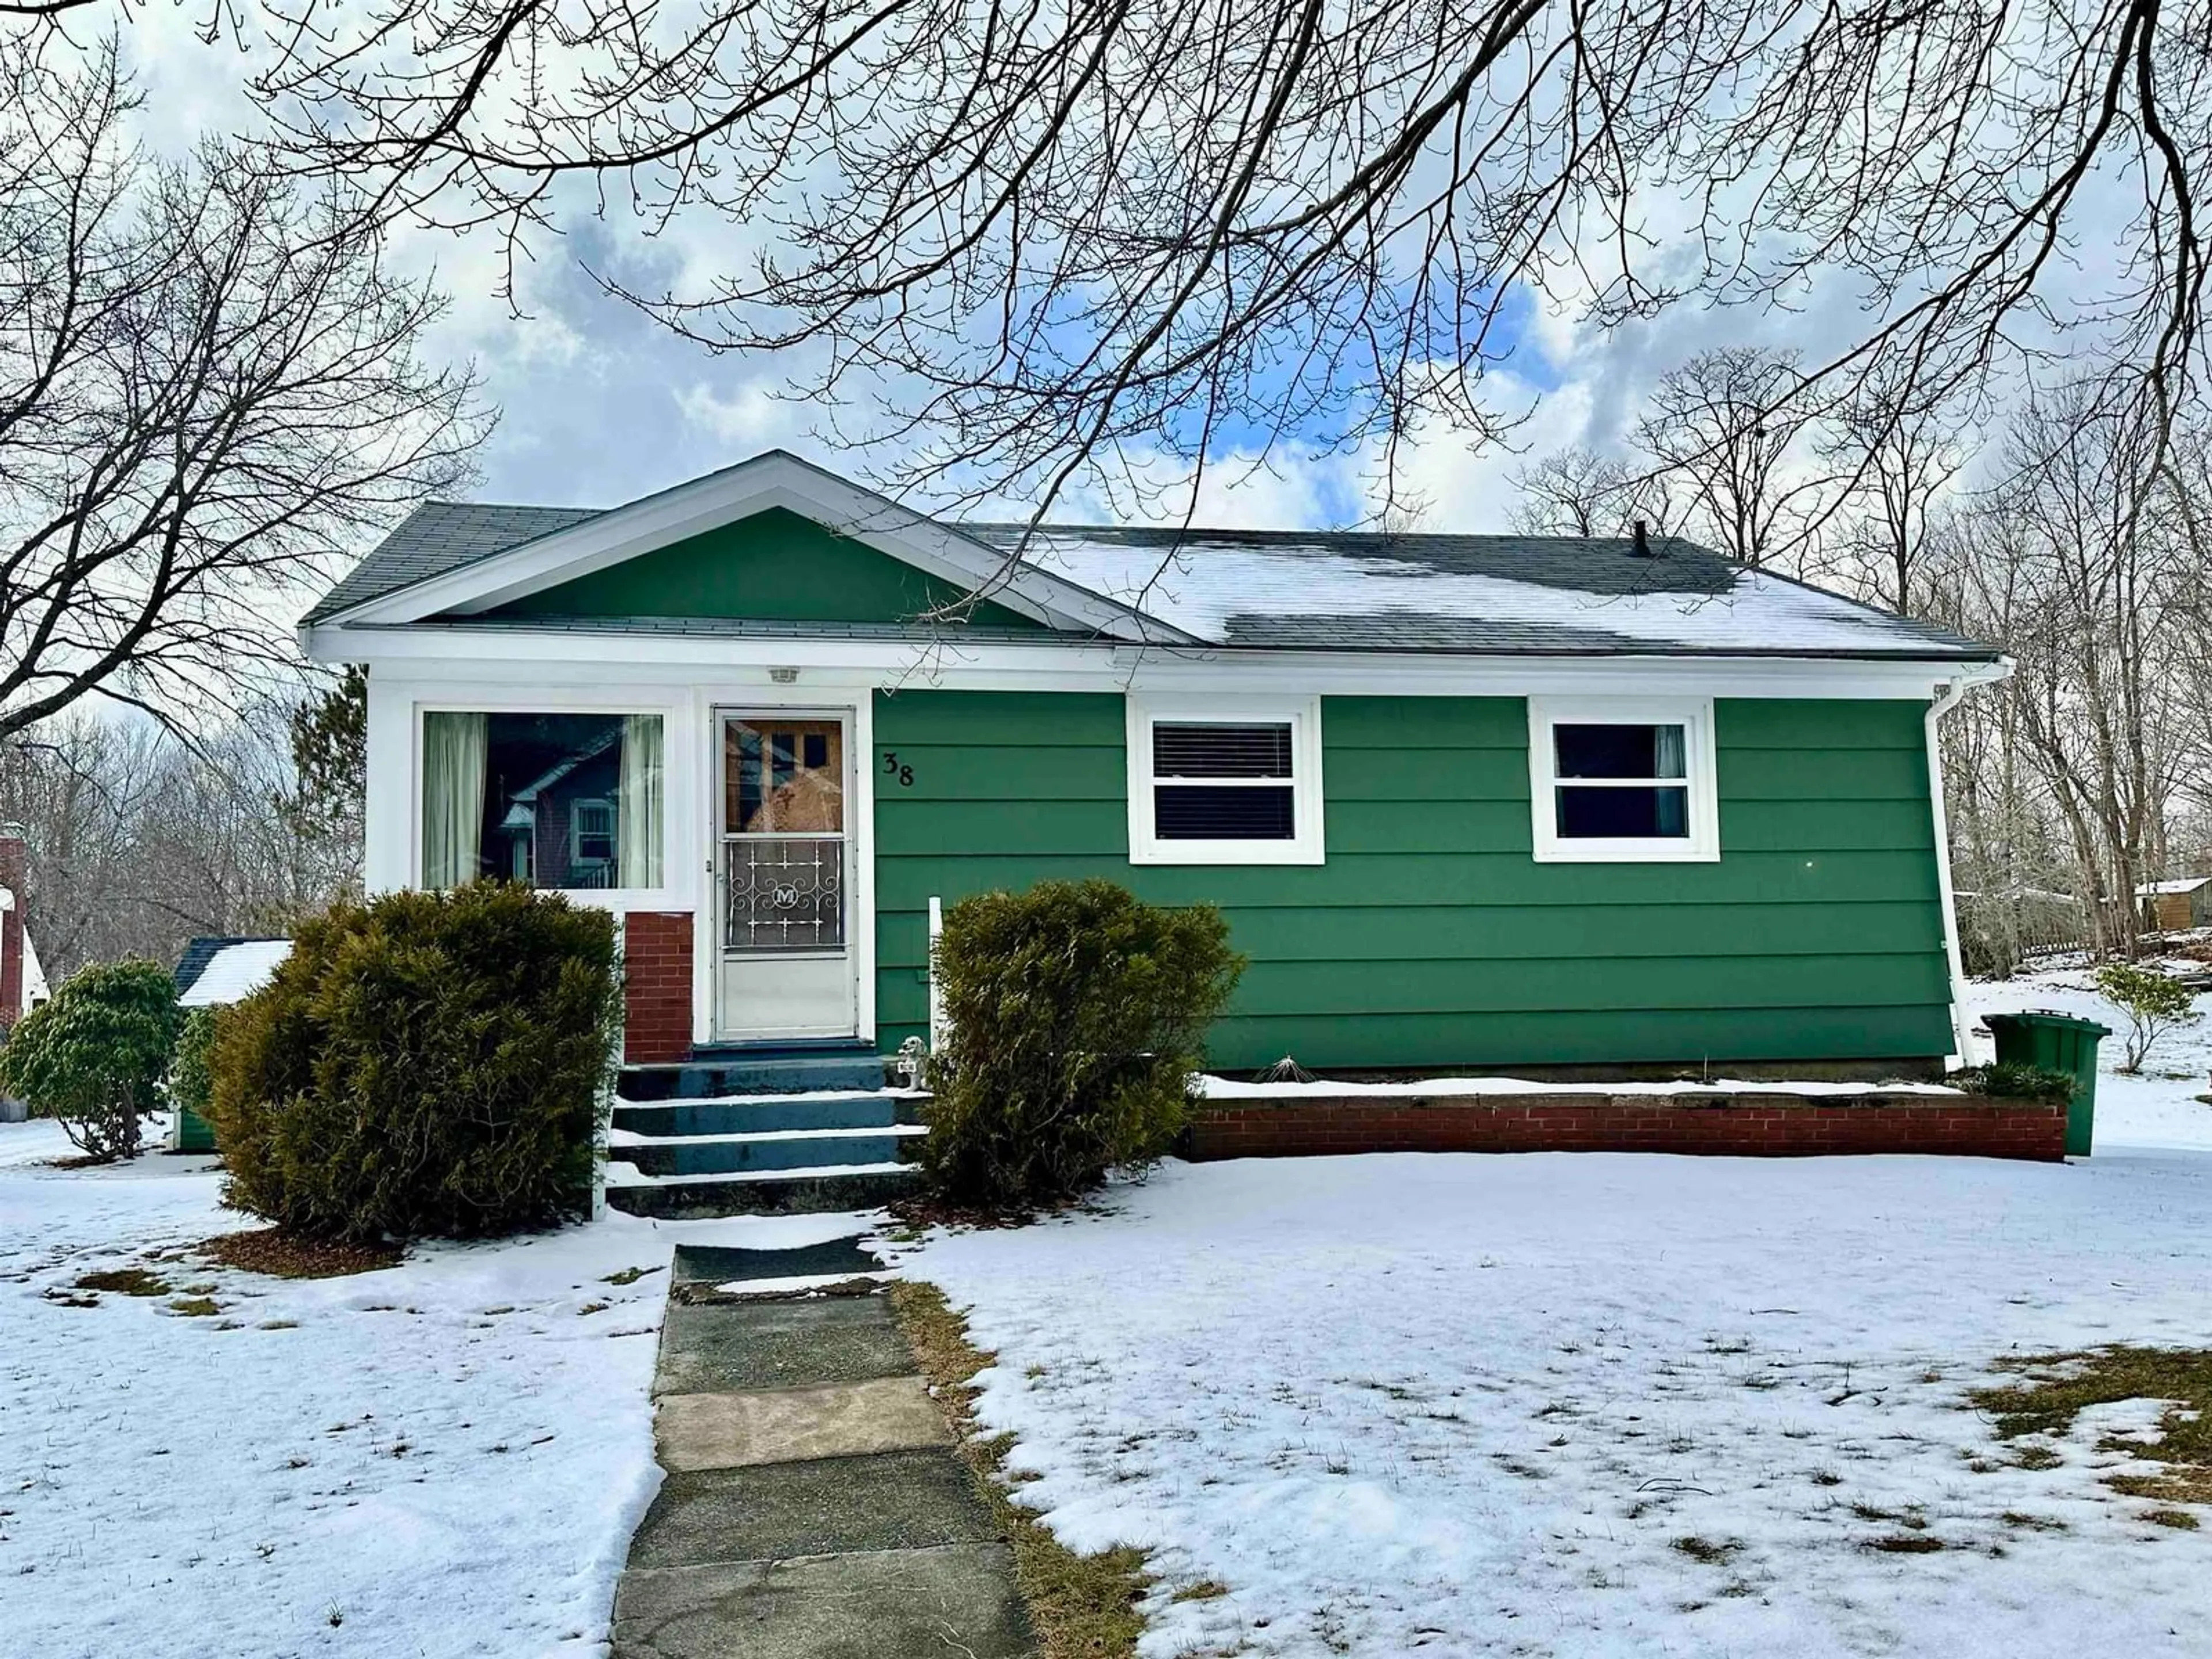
[[236, 972], [1472, 593], [2184, 884], [1315, 590]]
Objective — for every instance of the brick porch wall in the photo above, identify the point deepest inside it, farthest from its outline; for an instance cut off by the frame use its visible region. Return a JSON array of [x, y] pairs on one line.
[[657, 986], [1752, 1125]]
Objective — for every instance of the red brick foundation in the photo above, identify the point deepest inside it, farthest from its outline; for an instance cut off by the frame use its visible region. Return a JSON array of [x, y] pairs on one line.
[[657, 986], [1748, 1125]]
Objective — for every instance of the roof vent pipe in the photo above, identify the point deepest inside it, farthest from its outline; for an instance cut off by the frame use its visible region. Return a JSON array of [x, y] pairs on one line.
[[1642, 545]]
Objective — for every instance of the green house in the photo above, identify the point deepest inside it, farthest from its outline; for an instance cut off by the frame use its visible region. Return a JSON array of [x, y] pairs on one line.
[[1470, 802]]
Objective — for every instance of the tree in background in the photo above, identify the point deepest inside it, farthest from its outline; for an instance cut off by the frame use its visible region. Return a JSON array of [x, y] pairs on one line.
[[1576, 491], [1724, 426], [1056, 233], [329, 791], [1896, 459], [209, 381], [141, 839]]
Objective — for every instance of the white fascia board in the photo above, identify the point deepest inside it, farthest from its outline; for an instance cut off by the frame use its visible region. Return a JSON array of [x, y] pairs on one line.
[[775, 480], [507, 653]]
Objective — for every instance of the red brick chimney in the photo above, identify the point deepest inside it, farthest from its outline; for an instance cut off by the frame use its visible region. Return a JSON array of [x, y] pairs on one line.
[[15, 861]]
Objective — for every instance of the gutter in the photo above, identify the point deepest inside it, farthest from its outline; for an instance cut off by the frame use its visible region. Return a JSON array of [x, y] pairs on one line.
[[1948, 693]]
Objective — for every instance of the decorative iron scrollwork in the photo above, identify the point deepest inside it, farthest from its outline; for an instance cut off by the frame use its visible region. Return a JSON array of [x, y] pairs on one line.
[[784, 893]]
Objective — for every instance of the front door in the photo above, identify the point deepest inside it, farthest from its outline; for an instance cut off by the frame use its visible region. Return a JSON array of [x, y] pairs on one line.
[[784, 877]]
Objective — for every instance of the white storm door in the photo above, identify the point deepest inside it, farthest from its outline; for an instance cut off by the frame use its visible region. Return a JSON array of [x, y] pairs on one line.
[[783, 878]]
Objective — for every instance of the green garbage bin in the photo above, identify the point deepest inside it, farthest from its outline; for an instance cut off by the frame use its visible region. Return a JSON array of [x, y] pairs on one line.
[[2057, 1042]]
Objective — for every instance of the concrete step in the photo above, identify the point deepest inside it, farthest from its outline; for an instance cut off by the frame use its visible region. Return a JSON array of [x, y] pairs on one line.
[[729, 1115], [711, 1073], [774, 1149], [774, 1192]]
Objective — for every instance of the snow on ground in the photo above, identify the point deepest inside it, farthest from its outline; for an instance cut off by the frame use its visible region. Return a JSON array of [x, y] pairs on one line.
[[1594, 1405], [444, 1459], [2159, 1108]]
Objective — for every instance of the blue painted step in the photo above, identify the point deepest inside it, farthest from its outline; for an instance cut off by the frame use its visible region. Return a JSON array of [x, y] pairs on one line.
[[753, 1115], [739, 1155], [768, 1071], [790, 1194]]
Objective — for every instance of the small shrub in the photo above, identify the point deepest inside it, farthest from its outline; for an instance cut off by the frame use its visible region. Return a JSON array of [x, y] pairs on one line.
[[2012, 1081], [2154, 1002], [1077, 1014], [91, 1055], [425, 1064]]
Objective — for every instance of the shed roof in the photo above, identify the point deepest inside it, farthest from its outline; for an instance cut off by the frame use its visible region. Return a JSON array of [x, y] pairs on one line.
[[222, 971]]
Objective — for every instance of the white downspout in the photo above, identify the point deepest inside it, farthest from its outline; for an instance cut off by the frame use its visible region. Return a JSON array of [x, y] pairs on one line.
[[1947, 695]]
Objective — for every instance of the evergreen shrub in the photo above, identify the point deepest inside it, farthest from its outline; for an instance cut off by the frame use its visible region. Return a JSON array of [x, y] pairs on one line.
[[1077, 1015], [93, 1055], [424, 1063]]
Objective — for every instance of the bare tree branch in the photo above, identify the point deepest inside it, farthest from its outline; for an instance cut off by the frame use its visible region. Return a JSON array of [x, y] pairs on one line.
[[209, 384], [1042, 242]]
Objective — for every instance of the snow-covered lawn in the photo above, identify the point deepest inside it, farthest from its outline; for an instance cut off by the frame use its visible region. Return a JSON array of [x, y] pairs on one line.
[[445, 1458], [1593, 1405]]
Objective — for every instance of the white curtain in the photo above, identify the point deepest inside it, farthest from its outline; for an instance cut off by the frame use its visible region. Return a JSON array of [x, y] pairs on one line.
[[637, 804], [1668, 748], [453, 755]]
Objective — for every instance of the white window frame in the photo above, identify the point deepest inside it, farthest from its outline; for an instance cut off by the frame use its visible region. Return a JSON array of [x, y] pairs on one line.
[[508, 700], [1302, 714], [1695, 714]]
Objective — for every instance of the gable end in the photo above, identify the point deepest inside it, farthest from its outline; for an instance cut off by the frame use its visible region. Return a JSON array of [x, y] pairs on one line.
[[773, 566]]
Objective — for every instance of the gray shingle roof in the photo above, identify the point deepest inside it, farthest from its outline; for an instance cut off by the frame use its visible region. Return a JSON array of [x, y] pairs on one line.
[[1300, 590], [1584, 564], [442, 535]]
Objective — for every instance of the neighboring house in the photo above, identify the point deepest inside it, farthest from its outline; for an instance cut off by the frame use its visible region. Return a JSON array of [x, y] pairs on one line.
[[1468, 802], [23, 981], [2171, 907], [214, 972]]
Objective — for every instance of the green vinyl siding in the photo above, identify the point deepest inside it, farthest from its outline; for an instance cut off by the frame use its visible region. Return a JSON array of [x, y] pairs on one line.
[[773, 567], [1429, 937]]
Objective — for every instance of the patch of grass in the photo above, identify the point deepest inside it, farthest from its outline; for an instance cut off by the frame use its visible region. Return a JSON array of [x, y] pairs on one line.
[[1906, 1543], [2182, 1487], [2037, 1457], [1206, 1589], [195, 1307], [1085, 1606], [124, 1281], [628, 1275], [2180, 1520], [280, 1254], [1713, 1551], [2056, 1387]]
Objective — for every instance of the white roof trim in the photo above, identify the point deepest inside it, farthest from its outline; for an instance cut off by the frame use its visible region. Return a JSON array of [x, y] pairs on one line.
[[770, 481], [530, 657]]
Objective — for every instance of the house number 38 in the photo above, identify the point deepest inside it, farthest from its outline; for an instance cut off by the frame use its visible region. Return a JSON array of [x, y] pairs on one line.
[[903, 773]]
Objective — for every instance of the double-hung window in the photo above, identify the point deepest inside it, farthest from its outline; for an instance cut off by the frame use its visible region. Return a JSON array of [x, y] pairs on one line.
[[1215, 782], [1622, 780]]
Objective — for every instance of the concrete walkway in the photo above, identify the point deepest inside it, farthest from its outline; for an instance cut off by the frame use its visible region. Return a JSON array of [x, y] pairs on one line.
[[813, 1506]]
